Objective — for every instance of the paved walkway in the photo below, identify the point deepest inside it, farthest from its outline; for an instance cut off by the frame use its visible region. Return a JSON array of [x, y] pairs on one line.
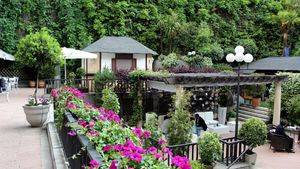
[[21, 146]]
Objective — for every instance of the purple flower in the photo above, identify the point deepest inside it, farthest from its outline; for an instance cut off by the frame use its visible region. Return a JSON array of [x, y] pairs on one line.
[[94, 164], [152, 150], [161, 141], [72, 133], [93, 133]]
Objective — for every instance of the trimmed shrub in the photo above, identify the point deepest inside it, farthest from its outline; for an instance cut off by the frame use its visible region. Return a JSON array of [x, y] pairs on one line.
[[171, 60], [210, 148], [110, 100], [103, 77], [254, 132], [197, 165]]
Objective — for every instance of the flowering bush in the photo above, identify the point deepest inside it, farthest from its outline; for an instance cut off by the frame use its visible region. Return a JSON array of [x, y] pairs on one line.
[[119, 147]]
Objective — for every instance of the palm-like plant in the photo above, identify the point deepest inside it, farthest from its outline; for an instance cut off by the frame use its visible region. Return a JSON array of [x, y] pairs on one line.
[[288, 17]]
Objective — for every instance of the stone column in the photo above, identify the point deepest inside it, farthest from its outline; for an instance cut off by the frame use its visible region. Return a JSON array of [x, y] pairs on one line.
[[277, 104]]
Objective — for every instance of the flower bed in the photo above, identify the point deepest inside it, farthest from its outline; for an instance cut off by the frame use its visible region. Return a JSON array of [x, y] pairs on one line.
[[119, 146]]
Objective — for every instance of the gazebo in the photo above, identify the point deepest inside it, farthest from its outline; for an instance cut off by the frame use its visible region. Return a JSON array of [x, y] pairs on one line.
[[175, 82]]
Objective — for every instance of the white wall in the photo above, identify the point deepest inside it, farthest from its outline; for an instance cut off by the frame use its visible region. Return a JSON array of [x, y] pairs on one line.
[[140, 61], [106, 60]]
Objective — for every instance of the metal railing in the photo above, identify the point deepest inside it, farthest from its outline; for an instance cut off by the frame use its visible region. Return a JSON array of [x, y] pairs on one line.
[[89, 85], [239, 157], [232, 149], [190, 150], [78, 145]]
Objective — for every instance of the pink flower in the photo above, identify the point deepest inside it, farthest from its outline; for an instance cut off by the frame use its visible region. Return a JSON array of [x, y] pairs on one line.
[[93, 133], [113, 165], [75, 92], [181, 162], [94, 164], [83, 123], [147, 134], [107, 148], [166, 150], [72, 133], [92, 124], [152, 150], [138, 132], [71, 105], [54, 93], [157, 155]]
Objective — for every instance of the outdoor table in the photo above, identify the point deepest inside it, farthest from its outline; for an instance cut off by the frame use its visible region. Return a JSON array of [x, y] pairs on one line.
[[293, 132], [219, 128], [231, 125]]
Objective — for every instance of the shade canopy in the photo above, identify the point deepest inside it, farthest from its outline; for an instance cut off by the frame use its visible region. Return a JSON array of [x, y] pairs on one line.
[[6, 56], [70, 53]]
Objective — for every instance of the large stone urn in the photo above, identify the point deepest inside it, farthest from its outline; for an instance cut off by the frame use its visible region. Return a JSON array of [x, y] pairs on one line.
[[36, 115]]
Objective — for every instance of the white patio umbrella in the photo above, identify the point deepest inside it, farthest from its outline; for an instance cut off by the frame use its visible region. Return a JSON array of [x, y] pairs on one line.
[[6, 56], [70, 53]]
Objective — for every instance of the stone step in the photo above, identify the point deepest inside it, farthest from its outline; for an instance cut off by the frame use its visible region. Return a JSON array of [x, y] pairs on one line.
[[258, 111], [245, 116], [254, 114], [239, 165], [242, 118]]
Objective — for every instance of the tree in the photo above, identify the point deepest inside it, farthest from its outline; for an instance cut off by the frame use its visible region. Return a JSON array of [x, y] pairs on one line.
[[41, 52], [288, 17]]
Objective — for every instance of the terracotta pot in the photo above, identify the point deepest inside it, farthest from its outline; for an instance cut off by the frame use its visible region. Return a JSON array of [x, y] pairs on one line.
[[36, 115], [42, 84], [31, 83], [255, 102]]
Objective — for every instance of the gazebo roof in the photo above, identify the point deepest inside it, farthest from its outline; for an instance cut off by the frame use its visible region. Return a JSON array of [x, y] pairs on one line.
[[168, 83], [274, 64], [118, 44]]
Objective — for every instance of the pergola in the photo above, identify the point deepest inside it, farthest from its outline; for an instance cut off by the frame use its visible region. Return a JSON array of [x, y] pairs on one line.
[[176, 82]]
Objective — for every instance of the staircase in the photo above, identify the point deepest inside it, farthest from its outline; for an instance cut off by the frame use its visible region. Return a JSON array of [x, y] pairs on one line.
[[248, 111]]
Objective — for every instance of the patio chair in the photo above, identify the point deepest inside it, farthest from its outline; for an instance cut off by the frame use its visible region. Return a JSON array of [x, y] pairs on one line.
[[280, 142], [208, 117], [3, 88]]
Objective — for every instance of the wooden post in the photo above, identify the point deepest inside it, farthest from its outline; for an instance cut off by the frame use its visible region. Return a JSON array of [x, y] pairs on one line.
[[277, 104]]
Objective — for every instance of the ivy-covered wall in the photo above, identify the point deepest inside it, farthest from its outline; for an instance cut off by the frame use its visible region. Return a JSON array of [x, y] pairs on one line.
[[210, 27]]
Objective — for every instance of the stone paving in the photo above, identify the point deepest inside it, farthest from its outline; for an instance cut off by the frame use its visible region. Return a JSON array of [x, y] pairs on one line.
[[20, 144]]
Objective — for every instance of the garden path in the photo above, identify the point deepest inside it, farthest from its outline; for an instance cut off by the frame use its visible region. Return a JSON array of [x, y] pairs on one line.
[[21, 146]]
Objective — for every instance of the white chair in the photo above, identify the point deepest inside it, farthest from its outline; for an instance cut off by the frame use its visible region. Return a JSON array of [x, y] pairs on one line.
[[208, 117]]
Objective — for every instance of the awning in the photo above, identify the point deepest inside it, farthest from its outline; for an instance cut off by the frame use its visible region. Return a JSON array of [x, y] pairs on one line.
[[6, 56], [70, 53]]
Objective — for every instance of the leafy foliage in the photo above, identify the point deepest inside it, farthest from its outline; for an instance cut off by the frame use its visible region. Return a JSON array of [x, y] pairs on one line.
[[152, 126], [103, 77], [41, 52], [110, 100], [211, 28], [210, 148], [290, 87], [179, 128], [197, 165], [293, 108], [255, 90], [171, 60], [254, 132]]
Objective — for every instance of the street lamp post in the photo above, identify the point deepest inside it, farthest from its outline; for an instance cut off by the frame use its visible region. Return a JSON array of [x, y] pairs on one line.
[[238, 57]]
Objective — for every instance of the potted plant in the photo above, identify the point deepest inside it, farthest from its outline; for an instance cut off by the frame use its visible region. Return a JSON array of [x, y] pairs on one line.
[[42, 53], [36, 112], [256, 91], [32, 83], [210, 149], [254, 133], [231, 115], [223, 101]]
